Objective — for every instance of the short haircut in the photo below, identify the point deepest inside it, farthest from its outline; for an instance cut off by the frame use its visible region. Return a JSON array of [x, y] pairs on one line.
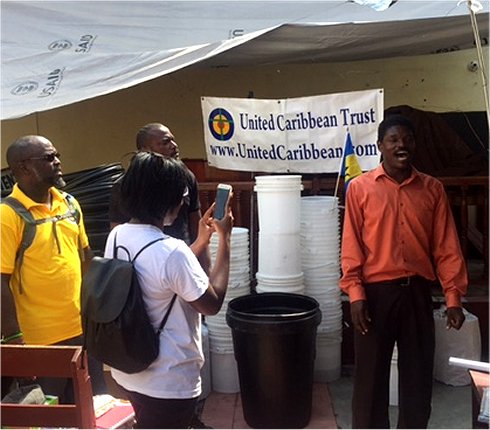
[[152, 186], [391, 121], [19, 149], [143, 134]]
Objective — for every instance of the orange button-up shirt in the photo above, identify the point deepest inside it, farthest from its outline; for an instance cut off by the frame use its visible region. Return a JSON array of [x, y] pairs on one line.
[[394, 230]]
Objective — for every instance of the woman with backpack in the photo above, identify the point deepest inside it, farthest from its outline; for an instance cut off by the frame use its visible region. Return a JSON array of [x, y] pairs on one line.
[[153, 189]]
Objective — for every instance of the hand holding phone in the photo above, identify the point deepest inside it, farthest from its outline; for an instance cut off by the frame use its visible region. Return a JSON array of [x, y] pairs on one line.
[[223, 193]]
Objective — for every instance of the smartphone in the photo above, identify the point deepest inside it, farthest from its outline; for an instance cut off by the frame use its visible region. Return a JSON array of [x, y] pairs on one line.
[[223, 192]]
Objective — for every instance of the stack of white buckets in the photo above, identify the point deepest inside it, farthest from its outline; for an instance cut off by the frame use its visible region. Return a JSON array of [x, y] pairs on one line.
[[224, 373], [279, 255], [299, 250], [320, 254]]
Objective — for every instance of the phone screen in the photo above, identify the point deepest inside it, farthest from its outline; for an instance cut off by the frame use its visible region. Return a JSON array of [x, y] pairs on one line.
[[222, 195]]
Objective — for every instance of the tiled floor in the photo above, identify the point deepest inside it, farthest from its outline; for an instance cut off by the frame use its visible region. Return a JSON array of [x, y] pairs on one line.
[[451, 406], [224, 411]]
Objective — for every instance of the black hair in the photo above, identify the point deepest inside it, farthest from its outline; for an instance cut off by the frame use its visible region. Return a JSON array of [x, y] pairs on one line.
[[391, 121], [144, 133], [152, 186]]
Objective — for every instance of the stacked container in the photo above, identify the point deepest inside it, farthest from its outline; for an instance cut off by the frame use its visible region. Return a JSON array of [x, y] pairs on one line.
[[279, 252], [320, 258], [224, 374]]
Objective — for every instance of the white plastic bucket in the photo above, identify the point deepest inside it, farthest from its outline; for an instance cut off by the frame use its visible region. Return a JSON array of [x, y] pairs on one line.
[[279, 182], [224, 372], [206, 368], [320, 223], [218, 343], [320, 208], [325, 202], [280, 284], [294, 289], [280, 279], [278, 203], [328, 359], [279, 254]]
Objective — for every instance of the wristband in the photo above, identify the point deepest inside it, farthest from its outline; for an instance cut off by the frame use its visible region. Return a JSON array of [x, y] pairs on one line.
[[11, 337]]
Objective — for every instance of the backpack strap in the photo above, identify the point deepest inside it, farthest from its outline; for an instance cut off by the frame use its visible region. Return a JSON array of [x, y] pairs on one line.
[[146, 246], [114, 255], [117, 247], [26, 215], [165, 318], [70, 201], [75, 214], [28, 233], [30, 224]]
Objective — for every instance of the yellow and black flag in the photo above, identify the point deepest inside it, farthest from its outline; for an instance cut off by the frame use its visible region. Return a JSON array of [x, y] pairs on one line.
[[350, 165]]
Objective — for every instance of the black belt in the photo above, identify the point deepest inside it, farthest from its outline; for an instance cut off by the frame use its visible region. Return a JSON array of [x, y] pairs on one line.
[[403, 282]]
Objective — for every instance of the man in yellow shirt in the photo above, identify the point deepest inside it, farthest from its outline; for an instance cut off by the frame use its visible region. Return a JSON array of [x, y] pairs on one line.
[[41, 298]]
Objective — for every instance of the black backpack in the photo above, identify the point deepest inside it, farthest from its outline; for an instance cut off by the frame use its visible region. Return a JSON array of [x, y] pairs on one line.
[[117, 329]]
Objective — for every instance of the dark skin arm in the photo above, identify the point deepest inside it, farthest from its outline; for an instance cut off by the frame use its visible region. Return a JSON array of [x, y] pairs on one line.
[[362, 321], [203, 257], [88, 254], [360, 316], [205, 230], [211, 301], [455, 318], [10, 323]]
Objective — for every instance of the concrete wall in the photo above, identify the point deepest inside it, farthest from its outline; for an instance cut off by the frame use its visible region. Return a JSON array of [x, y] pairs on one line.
[[101, 130]]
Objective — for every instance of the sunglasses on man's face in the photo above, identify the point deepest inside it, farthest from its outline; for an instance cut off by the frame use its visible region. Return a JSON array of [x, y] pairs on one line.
[[46, 157]]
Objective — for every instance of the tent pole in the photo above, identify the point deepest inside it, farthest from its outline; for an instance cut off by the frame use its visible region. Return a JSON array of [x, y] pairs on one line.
[[479, 52]]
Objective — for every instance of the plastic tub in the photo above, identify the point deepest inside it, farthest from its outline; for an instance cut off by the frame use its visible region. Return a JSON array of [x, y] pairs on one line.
[[274, 338]]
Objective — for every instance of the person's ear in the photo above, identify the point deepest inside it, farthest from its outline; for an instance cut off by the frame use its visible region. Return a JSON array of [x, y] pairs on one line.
[[21, 168], [379, 144]]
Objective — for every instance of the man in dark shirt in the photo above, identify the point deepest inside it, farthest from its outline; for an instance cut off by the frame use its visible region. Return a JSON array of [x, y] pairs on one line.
[[158, 138]]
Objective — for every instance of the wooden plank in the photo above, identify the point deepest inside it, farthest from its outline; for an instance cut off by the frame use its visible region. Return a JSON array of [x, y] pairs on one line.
[[38, 415]]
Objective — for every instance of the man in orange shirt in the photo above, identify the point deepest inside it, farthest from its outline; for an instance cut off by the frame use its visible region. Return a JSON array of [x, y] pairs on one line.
[[399, 237]]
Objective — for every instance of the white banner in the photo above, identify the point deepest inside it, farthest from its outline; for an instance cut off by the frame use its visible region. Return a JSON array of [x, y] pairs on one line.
[[300, 135]]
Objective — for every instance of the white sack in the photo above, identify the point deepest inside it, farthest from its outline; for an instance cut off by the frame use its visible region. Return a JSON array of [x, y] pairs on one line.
[[462, 343]]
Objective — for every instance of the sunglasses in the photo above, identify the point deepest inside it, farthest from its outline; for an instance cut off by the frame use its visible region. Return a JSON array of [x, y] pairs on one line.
[[47, 157]]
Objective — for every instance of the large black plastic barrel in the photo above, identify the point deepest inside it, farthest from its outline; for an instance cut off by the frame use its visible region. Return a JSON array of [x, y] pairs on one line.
[[274, 341]]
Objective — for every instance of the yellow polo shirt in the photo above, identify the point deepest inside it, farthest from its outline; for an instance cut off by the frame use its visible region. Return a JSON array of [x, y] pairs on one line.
[[48, 307]]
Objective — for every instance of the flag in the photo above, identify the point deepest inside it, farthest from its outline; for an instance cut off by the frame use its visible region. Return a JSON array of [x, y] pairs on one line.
[[350, 165]]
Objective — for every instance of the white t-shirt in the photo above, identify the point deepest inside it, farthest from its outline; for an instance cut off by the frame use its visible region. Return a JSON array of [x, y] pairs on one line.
[[165, 268]]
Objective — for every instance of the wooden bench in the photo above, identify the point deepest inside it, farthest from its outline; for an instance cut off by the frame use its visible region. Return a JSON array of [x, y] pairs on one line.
[[49, 361]]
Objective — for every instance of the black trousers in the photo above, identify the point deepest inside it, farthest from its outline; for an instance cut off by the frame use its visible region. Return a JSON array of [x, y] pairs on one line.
[[401, 314], [154, 413]]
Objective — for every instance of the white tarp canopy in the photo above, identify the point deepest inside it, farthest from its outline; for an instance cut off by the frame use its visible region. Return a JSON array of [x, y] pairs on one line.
[[59, 52]]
